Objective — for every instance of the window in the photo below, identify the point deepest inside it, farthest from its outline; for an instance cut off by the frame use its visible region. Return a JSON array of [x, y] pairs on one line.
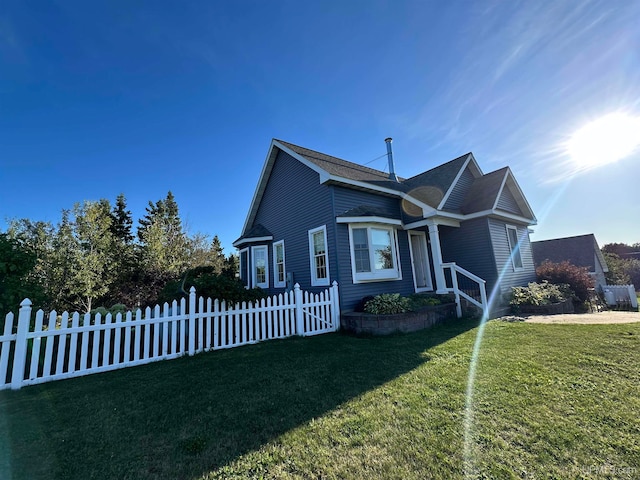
[[374, 253], [514, 247], [318, 256], [260, 267], [244, 267], [279, 275]]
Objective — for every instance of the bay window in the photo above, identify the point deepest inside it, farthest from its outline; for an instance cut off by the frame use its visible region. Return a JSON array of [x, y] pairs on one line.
[[374, 253]]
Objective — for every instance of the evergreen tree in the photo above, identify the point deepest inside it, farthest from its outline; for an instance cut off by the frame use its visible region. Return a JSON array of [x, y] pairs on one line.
[[121, 221]]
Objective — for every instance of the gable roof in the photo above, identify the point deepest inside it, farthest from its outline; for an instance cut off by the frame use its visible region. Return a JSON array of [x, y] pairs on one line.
[[428, 190], [580, 251]]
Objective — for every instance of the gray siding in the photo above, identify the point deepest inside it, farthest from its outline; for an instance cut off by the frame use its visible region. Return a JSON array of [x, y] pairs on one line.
[[511, 277], [455, 200], [293, 203], [507, 202], [350, 293], [470, 247]]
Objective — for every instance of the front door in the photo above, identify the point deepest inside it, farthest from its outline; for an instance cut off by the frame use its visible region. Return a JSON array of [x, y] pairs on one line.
[[420, 261]]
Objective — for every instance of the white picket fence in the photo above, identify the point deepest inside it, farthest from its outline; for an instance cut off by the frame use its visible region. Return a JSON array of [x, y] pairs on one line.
[[620, 295], [73, 345]]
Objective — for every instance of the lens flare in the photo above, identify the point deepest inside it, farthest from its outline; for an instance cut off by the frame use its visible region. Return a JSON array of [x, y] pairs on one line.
[[605, 140]]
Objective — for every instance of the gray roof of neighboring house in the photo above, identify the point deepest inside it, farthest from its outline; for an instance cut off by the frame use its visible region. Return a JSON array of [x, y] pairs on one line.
[[580, 251]]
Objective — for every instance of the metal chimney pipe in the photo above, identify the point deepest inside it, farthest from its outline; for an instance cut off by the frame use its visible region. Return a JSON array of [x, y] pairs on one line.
[[392, 169]]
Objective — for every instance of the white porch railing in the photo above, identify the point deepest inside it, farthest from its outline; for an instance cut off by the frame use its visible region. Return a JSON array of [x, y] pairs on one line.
[[620, 295], [54, 347], [473, 288]]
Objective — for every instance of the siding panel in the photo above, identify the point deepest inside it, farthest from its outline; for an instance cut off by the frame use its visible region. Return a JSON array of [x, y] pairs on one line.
[[507, 202], [511, 277], [455, 200], [293, 203], [470, 247], [350, 293]]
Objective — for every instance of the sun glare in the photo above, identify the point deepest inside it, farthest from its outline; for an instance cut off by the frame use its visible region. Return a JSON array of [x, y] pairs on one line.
[[604, 141]]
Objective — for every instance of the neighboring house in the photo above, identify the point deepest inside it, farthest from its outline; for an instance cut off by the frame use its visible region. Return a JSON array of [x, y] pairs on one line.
[[581, 251], [315, 219]]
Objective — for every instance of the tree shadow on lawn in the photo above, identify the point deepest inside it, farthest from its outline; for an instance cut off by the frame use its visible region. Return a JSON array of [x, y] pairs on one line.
[[186, 417]]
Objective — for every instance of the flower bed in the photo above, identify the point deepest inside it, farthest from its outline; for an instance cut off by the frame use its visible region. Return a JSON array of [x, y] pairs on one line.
[[551, 309], [372, 324]]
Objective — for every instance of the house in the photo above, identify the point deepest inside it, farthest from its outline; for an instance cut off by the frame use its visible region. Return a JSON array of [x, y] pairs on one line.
[[581, 251], [315, 219]]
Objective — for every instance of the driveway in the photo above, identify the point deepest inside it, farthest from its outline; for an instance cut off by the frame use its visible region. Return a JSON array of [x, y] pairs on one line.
[[582, 318]]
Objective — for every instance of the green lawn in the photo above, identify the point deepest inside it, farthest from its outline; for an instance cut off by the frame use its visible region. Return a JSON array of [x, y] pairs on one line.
[[550, 401]]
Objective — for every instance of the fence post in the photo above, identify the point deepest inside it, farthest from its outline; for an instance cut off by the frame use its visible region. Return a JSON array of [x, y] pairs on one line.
[[192, 320], [335, 306], [299, 312], [20, 352]]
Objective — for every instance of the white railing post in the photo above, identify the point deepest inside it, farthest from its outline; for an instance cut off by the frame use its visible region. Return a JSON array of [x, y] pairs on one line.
[[483, 299], [192, 320], [20, 352], [299, 312], [335, 306], [456, 290]]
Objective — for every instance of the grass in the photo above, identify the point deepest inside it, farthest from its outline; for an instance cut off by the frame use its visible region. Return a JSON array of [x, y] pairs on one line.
[[550, 401]]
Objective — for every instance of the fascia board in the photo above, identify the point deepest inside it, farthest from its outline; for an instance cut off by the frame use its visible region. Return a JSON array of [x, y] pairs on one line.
[[524, 199], [449, 222], [453, 184], [257, 194], [372, 219], [237, 243], [502, 184]]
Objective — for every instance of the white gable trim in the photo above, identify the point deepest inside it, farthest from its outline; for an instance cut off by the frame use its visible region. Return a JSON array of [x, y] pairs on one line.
[[470, 160], [504, 180]]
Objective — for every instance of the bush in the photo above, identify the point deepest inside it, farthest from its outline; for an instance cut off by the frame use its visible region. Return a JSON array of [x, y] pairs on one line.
[[577, 278], [419, 300], [387, 303], [210, 285], [544, 293]]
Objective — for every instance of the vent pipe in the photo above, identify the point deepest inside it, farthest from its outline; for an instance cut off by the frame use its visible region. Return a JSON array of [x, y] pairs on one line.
[[392, 169]]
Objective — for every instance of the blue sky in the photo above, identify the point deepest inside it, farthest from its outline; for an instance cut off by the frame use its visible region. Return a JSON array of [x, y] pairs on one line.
[[101, 98]]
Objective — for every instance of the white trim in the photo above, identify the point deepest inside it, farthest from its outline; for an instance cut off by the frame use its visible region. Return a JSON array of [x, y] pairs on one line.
[[500, 190], [276, 282], [315, 281], [449, 222], [512, 250], [242, 241], [429, 287], [247, 266], [468, 160], [254, 280], [385, 275], [386, 221]]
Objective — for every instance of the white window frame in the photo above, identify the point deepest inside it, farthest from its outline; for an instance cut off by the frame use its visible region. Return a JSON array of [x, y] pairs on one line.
[[386, 275], [514, 248], [246, 266], [276, 281], [315, 281], [254, 279]]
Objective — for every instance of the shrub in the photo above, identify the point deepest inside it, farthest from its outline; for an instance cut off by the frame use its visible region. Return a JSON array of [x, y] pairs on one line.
[[577, 278], [544, 293], [418, 300], [387, 303], [210, 285]]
